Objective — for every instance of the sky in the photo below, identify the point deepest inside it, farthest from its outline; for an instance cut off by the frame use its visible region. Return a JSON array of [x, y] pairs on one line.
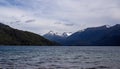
[[42, 16]]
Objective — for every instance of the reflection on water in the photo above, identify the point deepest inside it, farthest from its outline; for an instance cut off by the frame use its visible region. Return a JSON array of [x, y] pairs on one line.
[[59, 57]]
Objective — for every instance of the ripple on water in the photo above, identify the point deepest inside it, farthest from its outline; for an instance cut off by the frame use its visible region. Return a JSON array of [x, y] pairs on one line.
[[60, 58], [98, 67]]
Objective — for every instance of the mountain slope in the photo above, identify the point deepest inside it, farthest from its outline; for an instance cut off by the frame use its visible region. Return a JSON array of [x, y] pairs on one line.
[[96, 36], [87, 36], [112, 37], [56, 37], [10, 36]]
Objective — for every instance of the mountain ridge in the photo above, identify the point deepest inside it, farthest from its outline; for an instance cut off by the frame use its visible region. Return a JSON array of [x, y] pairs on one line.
[[102, 35], [11, 36], [55, 37]]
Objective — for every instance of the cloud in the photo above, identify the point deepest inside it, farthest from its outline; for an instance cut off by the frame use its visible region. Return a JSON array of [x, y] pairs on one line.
[[40, 16], [64, 23], [69, 24], [29, 21]]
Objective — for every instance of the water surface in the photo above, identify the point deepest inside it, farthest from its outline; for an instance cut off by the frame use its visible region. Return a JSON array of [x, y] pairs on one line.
[[65, 57]]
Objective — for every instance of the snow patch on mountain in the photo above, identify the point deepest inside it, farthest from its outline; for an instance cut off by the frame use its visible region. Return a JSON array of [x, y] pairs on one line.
[[65, 34]]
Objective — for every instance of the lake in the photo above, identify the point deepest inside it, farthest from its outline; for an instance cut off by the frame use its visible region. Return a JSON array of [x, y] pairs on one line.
[[59, 57]]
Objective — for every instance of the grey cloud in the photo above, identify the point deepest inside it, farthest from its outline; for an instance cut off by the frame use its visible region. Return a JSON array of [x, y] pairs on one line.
[[68, 13], [69, 24], [17, 21], [57, 23], [29, 21]]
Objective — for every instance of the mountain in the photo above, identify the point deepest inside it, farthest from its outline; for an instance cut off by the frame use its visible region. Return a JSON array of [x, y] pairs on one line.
[[102, 36], [11, 36], [112, 37], [59, 38]]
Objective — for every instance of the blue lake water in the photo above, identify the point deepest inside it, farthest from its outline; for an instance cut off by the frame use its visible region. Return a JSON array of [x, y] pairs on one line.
[[65, 57]]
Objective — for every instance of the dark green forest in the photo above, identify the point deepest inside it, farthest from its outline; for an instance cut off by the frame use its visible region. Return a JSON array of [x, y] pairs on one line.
[[11, 36]]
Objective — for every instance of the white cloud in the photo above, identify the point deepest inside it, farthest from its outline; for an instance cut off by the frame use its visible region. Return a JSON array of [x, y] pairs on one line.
[[81, 13]]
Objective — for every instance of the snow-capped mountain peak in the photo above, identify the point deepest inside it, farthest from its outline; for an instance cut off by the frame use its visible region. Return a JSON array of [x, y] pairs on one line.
[[65, 34], [108, 26], [51, 33]]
